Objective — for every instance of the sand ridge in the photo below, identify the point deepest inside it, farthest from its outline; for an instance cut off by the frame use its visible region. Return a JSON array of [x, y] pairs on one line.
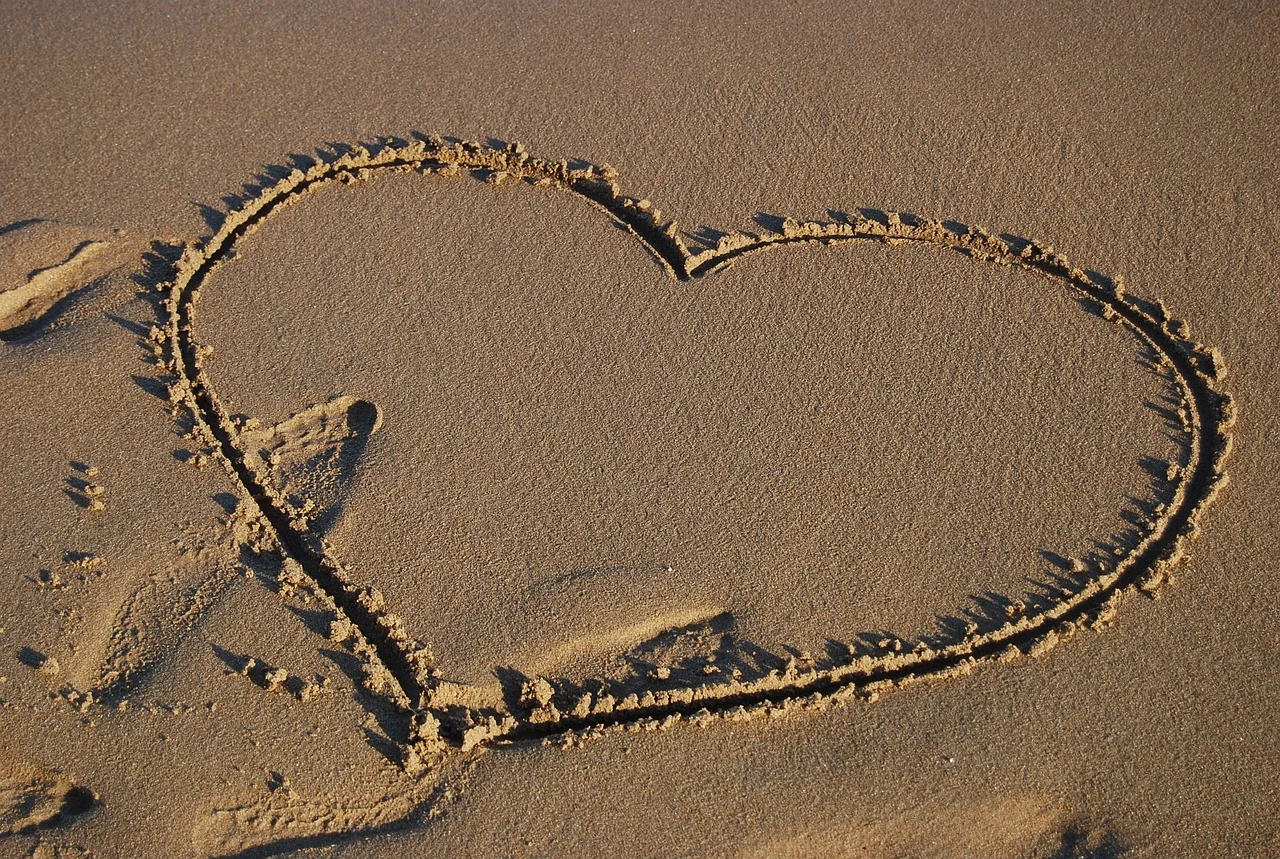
[[402, 669]]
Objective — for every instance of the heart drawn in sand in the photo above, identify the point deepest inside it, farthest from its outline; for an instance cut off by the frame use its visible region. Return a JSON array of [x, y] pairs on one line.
[[402, 670]]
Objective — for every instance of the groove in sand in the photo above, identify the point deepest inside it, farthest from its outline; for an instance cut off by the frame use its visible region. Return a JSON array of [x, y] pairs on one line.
[[404, 665]]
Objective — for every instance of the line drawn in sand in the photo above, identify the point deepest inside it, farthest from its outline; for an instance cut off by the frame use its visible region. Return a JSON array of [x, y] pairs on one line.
[[401, 670]]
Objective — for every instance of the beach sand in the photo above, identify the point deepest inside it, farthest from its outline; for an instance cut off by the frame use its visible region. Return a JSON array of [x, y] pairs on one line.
[[738, 431]]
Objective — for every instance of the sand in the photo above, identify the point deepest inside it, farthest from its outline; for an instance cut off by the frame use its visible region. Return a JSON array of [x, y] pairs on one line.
[[738, 432]]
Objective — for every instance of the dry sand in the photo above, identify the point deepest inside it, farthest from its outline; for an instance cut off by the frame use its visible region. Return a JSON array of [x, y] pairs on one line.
[[406, 495]]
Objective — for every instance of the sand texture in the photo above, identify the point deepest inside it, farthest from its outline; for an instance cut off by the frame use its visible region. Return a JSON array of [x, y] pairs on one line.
[[745, 431]]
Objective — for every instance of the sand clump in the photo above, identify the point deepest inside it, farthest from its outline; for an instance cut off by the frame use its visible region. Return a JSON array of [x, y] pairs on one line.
[[86, 488], [277, 680]]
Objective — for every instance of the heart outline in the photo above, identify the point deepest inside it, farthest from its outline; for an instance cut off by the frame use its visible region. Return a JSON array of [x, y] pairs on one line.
[[403, 666]]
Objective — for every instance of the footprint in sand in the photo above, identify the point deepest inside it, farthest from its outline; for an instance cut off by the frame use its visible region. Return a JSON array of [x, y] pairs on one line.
[[32, 796], [47, 268]]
